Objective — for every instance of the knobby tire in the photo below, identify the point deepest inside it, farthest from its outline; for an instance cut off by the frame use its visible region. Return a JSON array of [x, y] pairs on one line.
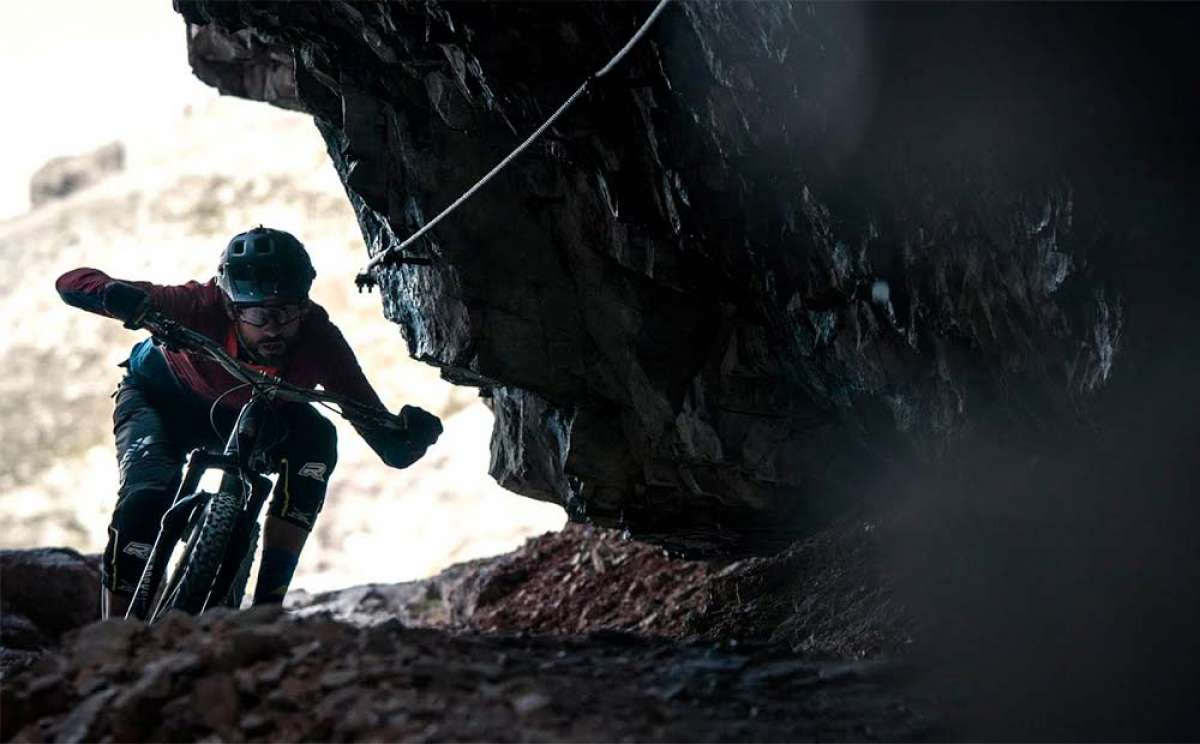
[[201, 560], [237, 590]]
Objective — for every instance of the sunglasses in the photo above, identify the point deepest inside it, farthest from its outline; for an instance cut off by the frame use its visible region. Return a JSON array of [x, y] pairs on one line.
[[260, 315]]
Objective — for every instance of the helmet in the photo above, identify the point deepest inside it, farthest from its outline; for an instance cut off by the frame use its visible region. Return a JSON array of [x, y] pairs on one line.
[[264, 265]]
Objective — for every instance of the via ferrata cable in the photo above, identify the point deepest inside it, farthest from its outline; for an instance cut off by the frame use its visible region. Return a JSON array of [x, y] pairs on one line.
[[365, 279]]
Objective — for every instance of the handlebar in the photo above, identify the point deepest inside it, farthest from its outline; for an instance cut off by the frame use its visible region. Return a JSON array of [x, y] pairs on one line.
[[177, 336]]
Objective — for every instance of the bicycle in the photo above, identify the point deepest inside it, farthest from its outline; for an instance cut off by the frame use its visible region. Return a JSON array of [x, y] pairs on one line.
[[220, 530]]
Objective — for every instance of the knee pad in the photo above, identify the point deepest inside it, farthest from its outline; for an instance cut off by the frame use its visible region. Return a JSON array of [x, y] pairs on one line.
[[305, 461], [300, 491]]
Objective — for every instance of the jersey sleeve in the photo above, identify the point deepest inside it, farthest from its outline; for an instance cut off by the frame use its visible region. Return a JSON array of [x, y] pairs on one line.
[[341, 373], [343, 376], [84, 288]]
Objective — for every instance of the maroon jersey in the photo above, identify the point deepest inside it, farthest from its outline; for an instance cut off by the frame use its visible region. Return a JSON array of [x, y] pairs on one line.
[[319, 356]]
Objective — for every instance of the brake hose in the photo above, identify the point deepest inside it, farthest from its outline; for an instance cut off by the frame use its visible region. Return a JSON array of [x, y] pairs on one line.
[[366, 280]]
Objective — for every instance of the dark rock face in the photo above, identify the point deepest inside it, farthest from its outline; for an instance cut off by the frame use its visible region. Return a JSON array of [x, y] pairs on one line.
[[44, 594], [63, 176], [788, 244], [54, 589], [236, 63]]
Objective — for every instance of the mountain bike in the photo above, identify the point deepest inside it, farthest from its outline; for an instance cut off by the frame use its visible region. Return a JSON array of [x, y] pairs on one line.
[[219, 531]]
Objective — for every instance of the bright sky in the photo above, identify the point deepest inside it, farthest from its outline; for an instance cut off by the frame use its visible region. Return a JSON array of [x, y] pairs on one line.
[[76, 74]]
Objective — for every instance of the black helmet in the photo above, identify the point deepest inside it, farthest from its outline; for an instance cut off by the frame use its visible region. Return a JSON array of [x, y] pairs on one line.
[[264, 265]]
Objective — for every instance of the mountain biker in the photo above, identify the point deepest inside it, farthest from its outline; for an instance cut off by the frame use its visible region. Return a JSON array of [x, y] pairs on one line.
[[170, 402]]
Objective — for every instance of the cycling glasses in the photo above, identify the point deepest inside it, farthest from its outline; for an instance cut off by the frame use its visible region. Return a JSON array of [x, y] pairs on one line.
[[260, 315]]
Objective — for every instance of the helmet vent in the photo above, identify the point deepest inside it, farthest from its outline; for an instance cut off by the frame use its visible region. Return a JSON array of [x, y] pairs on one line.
[[263, 264]]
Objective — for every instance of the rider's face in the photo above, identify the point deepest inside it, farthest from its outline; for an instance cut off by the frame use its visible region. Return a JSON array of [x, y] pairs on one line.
[[271, 341]]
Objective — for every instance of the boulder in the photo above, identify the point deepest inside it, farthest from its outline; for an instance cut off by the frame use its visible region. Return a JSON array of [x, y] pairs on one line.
[[54, 589], [63, 176]]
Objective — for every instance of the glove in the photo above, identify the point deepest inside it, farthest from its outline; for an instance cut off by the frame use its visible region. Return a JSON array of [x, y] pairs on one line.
[[127, 303], [399, 449], [423, 427]]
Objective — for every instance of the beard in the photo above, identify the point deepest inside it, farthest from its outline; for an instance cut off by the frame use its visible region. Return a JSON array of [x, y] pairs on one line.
[[272, 350]]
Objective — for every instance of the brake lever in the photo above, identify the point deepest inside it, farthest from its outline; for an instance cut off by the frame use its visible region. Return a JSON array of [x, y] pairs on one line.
[[165, 334]]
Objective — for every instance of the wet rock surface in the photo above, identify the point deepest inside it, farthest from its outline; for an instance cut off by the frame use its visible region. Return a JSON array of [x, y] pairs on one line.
[[781, 246]]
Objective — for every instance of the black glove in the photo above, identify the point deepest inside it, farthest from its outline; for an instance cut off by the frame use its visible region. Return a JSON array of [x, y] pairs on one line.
[[399, 449], [127, 303], [423, 427]]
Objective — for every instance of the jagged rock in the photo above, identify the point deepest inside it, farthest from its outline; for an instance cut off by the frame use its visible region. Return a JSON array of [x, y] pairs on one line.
[[63, 176], [19, 632], [137, 710], [749, 267], [14, 660], [56, 589], [78, 727], [240, 64], [107, 643], [248, 645], [217, 702]]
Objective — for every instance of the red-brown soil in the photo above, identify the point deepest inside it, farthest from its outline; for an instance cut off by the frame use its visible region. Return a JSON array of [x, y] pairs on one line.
[[579, 635], [825, 598]]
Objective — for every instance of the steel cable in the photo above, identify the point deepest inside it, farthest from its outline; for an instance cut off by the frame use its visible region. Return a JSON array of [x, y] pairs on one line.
[[364, 278]]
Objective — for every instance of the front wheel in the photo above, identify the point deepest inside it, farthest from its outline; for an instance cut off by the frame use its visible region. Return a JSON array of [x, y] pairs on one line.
[[190, 583], [237, 590]]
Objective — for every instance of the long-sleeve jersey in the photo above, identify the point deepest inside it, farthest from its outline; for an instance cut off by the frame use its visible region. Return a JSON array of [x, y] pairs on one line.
[[320, 355]]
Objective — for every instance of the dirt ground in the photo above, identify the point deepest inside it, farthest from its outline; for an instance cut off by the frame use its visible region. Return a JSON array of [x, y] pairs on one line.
[[252, 677], [822, 598], [580, 635]]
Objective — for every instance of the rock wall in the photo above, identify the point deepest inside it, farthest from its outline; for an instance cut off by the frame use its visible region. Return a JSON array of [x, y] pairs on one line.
[[785, 247], [44, 594]]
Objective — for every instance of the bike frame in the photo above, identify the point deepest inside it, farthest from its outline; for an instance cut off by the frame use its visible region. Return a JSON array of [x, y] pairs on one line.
[[243, 461]]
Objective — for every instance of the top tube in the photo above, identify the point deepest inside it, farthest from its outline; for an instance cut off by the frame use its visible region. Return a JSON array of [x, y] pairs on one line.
[[176, 335]]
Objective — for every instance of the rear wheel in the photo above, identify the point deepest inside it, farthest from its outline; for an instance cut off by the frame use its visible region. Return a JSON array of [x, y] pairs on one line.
[[189, 584]]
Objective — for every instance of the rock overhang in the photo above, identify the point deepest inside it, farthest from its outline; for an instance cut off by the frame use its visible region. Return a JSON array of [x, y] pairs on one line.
[[787, 247]]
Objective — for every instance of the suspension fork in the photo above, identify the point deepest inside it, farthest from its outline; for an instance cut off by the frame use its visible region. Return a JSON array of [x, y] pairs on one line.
[[188, 499], [237, 459], [243, 447]]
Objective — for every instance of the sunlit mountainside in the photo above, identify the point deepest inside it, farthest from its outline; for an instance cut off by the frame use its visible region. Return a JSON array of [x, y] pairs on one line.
[[223, 168]]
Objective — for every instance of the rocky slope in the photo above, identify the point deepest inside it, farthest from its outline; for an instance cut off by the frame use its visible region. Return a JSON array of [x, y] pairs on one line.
[[242, 678], [576, 636]]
